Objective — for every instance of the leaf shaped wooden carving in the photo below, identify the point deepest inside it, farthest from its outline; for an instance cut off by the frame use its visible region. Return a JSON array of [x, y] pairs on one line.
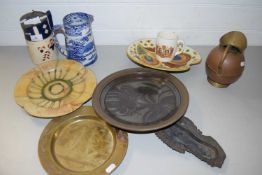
[[184, 136]]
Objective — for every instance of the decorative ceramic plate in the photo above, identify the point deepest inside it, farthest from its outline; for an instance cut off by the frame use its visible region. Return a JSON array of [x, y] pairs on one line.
[[143, 53], [140, 100], [55, 88], [80, 143]]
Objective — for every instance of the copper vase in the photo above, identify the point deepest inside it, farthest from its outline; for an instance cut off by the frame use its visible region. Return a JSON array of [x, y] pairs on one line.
[[225, 63]]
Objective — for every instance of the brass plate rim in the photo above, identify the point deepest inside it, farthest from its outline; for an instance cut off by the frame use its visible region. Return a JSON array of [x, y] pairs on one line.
[[47, 158], [141, 128]]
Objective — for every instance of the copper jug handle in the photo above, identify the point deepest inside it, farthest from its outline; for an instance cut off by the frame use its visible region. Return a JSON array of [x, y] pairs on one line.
[[222, 59]]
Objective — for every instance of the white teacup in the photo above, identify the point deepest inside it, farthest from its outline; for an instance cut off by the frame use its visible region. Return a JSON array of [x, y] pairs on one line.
[[168, 46]]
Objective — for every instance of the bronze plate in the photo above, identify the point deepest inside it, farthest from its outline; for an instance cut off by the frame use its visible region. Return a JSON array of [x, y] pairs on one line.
[[80, 143], [140, 100]]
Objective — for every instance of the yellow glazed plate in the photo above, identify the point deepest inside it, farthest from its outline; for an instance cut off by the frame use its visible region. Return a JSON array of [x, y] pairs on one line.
[[55, 88], [143, 53], [80, 143]]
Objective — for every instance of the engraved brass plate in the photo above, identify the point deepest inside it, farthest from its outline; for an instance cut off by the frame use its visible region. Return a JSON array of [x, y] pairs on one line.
[[81, 143]]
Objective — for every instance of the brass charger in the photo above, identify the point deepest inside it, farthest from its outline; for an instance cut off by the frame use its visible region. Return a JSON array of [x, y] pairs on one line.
[[80, 143]]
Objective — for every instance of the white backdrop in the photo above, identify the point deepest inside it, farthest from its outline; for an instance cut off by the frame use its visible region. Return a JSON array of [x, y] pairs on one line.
[[198, 22]]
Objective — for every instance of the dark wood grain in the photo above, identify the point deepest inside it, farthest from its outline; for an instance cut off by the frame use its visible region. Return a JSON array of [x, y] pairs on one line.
[[184, 136]]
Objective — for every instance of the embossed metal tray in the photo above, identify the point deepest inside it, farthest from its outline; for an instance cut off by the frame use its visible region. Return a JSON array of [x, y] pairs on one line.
[[55, 88], [140, 100], [80, 143]]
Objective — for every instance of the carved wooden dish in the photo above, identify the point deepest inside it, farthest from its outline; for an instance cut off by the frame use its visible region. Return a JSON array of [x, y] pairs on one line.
[[140, 100], [184, 136], [80, 143], [55, 88]]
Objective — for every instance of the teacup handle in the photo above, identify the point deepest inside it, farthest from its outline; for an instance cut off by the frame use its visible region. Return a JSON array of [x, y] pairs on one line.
[[59, 29], [180, 47]]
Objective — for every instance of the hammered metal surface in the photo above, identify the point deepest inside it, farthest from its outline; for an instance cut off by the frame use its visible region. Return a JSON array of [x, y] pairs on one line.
[[83, 145]]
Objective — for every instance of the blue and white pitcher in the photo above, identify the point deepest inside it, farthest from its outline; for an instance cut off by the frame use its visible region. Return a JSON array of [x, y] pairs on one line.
[[79, 40]]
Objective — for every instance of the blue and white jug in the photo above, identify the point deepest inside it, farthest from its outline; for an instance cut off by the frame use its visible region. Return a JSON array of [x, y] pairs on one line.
[[79, 40]]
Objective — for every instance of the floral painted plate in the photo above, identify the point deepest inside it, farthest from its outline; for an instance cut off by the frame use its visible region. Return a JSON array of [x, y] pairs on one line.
[[55, 88], [143, 53]]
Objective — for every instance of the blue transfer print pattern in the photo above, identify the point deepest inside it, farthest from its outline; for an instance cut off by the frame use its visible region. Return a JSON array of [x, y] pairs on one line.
[[80, 45]]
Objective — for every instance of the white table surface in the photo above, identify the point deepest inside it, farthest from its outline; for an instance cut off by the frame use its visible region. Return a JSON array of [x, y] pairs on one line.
[[233, 116]]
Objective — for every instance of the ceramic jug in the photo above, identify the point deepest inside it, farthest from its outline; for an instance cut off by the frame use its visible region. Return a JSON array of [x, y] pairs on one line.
[[79, 40], [38, 32], [225, 63]]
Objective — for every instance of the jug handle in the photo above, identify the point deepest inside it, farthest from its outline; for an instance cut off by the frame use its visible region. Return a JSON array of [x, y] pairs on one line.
[[91, 18], [50, 19], [222, 59], [59, 29]]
